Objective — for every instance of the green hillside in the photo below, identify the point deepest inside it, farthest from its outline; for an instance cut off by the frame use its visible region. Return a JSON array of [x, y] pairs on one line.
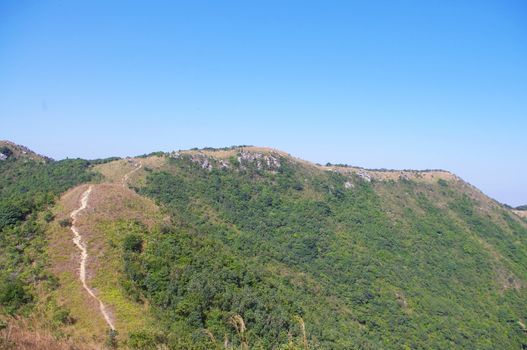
[[29, 185], [259, 250], [364, 263]]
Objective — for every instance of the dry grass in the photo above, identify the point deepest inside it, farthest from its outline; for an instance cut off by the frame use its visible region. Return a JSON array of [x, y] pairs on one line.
[[302, 326], [108, 203], [226, 154], [25, 334], [114, 172], [239, 325], [64, 263], [387, 175], [381, 175]]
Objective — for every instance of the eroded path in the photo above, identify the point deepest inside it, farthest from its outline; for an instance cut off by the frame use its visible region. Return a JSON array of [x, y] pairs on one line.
[[127, 175], [81, 244], [77, 239]]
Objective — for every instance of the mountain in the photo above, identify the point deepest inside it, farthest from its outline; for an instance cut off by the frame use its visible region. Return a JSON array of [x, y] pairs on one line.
[[249, 247], [10, 150]]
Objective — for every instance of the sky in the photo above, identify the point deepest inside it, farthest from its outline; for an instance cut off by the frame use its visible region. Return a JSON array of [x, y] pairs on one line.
[[378, 84]]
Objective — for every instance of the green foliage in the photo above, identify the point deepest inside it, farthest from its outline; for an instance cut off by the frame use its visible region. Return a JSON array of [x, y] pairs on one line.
[[12, 294], [157, 154], [61, 315], [48, 216], [103, 160], [272, 246], [27, 188], [65, 222], [10, 214], [442, 183], [290, 259], [144, 340], [132, 243]]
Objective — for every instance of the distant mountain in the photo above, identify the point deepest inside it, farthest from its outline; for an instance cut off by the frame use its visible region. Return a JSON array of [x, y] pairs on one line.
[[248, 247], [10, 149], [521, 207]]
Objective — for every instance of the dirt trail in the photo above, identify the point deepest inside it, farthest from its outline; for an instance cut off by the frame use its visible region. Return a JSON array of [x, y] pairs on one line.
[[127, 175], [77, 239]]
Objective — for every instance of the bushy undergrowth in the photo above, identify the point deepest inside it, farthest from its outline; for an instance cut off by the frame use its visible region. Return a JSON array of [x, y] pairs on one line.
[[27, 189], [273, 247]]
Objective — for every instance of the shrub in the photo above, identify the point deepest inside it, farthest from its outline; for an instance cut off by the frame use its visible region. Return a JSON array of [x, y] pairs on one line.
[[62, 315], [65, 222], [12, 294], [133, 243], [145, 340], [48, 216], [10, 214]]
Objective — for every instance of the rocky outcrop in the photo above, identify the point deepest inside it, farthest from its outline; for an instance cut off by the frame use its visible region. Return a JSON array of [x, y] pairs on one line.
[[364, 175], [241, 160], [262, 161]]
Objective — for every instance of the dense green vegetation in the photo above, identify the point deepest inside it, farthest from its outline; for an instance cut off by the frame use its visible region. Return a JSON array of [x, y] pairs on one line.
[[362, 271], [27, 189], [288, 257]]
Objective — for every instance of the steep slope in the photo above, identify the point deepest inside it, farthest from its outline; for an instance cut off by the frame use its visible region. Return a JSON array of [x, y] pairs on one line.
[[368, 259], [250, 247], [111, 211], [29, 185]]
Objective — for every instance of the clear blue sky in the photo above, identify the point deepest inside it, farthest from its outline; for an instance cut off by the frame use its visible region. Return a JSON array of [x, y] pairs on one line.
[[395, 84]]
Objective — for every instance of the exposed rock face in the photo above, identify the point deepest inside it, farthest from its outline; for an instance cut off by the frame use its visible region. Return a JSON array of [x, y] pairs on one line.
[[261, 160], [223, 164], [3, 156], [364, 175], [246, 159], [174, 154]]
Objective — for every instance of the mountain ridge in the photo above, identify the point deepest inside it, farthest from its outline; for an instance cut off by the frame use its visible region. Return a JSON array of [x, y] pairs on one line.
[[189, 247]]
